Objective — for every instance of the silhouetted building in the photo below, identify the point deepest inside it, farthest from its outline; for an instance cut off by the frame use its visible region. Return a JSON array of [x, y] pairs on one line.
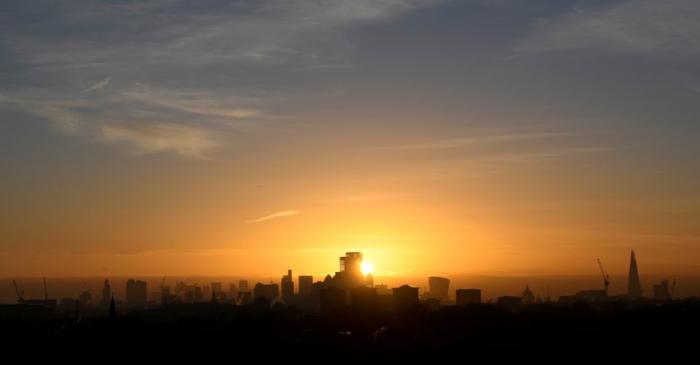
[[468, 296], [288, 288], [634, 287], [661, 291], [136, 293], [333, 300], [269, 291], [306, 283], [350, 274], [106, 294], [405, 297], [439, 288], [363, 299], [527, 296], [351, 264]]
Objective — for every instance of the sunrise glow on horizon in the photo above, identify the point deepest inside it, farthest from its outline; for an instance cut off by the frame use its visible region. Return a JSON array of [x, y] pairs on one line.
[[436, 137]]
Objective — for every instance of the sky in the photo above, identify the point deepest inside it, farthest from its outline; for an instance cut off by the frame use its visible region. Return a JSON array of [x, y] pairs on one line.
[[489, 137]]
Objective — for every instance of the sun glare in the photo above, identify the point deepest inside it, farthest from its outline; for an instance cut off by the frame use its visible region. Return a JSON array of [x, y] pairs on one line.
[[367, 267]]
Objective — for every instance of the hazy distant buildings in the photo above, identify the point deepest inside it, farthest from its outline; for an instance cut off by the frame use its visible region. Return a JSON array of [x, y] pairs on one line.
[[216, 289], [439, 288], [662, 292], [232, 290], [288, 288], [85, 298], [634, 287], [166, 297], [527, 296], [198, 294], [468, 296], [106, 294], [591, 296], [243, 285], [136, 293], [306, 284]]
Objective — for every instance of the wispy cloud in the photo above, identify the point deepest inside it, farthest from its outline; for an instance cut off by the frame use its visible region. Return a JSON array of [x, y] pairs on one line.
[[286, 213], [159, 137], [132, 130], [98, 86], [199, 67], [195, 102], [640, 26]]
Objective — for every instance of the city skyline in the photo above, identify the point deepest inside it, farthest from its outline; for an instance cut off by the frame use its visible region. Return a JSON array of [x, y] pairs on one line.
[[352, 265]]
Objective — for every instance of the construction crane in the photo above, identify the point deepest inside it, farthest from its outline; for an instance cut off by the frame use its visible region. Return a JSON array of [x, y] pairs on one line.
[[20, 294], [606, 277]]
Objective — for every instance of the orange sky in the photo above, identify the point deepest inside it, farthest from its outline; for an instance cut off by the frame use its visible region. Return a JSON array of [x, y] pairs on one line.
[[438, 137]]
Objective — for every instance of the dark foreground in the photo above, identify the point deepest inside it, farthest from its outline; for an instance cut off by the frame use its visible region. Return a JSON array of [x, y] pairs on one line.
[[233, 334]]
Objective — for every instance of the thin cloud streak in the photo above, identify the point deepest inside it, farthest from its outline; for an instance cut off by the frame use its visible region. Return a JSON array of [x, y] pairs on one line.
[[98, 86], [286, 213], [642, 26], [469, 141]]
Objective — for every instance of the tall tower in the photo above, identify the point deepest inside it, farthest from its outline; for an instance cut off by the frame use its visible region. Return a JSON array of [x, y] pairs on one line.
[[106, 294], [634, 288], [288, 288]]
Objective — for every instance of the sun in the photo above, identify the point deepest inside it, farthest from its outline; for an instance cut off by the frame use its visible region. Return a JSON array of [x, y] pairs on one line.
[[367, 267]]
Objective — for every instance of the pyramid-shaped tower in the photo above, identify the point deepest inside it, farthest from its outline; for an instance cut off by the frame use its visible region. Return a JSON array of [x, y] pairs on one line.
[[634, 288]]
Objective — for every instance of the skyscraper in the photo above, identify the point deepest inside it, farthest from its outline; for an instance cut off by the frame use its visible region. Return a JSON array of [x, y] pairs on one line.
[[350, 274], [288, 288], [439, 288], [306, 283], [634, 288], [106, 294]]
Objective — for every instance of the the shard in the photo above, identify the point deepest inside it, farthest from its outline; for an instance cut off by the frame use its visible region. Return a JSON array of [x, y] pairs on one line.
[[634, 288]]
